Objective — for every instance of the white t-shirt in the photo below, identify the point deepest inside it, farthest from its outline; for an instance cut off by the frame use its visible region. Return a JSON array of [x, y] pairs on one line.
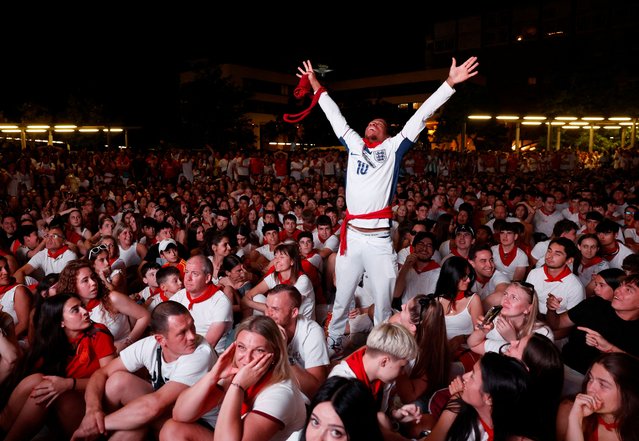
[[494, 340], [420, 283], [569, 289], [520, 260], [42, 261], [484, 290], [187, 369], [331, 243], [117, 323], [305, 287], [217, 309], [308, 346]]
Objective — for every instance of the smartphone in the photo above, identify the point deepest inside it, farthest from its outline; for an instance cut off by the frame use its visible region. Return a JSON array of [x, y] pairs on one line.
[[491, 315]]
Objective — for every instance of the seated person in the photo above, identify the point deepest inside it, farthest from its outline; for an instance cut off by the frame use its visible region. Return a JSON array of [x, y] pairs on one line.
[[120, 402]]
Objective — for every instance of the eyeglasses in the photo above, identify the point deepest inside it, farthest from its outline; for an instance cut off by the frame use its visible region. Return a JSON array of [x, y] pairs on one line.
[[629, 212], [53, 235], [423, 245], [527, 286], [96, 250]]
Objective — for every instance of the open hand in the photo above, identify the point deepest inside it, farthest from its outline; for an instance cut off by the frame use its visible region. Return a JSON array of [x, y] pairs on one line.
[[458, 74]]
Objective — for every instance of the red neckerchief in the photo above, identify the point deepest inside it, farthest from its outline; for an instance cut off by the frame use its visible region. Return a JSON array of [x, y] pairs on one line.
[[282, 281], [545, 212], [594, 261], [208, 293], [112, 261], [310, 255], [489, 430], [384, 213], [59, 252], [158, 291], [507, 259], [6, 288], [253, 391], [453, 251], [461, 295], [565, 272], [481, 280], [355, 361], [91, 304], [611, 255], [610, 427], [431, 265], [371, 144]]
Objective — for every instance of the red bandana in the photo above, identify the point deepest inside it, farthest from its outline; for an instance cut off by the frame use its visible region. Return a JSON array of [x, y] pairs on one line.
[[453, 251], [282, 281], [608, 426], [158, 291], [253, 391], [91, 304], [112, 261], [489, 430], [208, 293], [461, 295], [6, 288], [371, 144], [611, 255], [431, 265], [56, 254], [303, 88], [565, 272], [507, 258], [594, 261], [355, 361], [384, 213], [546, 212]]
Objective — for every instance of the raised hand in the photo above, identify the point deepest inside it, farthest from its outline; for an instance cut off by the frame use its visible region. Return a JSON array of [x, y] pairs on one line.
[[596, 340], [307, 69], [458, 74]]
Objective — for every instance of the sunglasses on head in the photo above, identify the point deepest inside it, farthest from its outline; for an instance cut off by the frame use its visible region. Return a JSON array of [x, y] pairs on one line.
[[97, 250]]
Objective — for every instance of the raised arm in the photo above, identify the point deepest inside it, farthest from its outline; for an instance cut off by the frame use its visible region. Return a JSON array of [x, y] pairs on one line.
[[312, 78], [461, 73]]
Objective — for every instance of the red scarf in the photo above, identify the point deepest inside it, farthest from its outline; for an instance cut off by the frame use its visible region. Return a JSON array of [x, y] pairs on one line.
[[303, 88], [282, 281], [546, 212], [454, 252], [431, 265], [507, 258], [6, 288], [594, 261], [461, 295], [610, 427], [371, 144], [565, 272], [384, 213], [158, 291], [56, 254], [252, 392], [91, 304], [611, 255], [208, 293], [489, 430], [355, 361]]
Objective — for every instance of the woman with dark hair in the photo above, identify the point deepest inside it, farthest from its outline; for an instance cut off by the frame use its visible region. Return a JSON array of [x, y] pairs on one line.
[[444, 226], [113, 278], [605, 282], [342, 408], [461, 306], [589, 262], [67, 349], [235, 282], [423, 316], [287, 269], [15, 299], [608, 407], [525, 214], [218, 246], [487, 404], [245, 241], [45, 289], [126, 320], [195, 242], [543, 360]]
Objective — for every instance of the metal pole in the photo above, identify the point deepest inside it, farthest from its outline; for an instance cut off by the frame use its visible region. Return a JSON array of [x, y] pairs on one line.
[[23, 138], [633, 133], [623, 137], [462, 147], [517, 137], [558, 138], [548, 137], [591, 140]]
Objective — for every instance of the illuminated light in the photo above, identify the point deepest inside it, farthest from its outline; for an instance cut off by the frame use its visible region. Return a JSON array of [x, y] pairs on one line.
[[479, 117], [557, 123], [8, 126], [66, 126], [535, 118], [64, 130], [625, 124], [593, 118], [11, 131], [519, 38], [612, 127], [36, 131], [569, 127], [112, 130], [89, 130], [566, 118], [508, 117], [619, 118], [41, 126], [590, 127], [578, 123], [531, 123]]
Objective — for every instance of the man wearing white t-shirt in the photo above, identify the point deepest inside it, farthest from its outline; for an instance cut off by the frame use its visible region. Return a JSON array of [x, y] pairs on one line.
[[488, 280], [307, 349], [175, 357], [419, 273], [509, 258], [555, 278], [547, 216], [52, 259], [210, 307]]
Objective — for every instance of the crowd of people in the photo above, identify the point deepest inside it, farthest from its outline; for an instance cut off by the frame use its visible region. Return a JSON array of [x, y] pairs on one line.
[[254, 296]]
